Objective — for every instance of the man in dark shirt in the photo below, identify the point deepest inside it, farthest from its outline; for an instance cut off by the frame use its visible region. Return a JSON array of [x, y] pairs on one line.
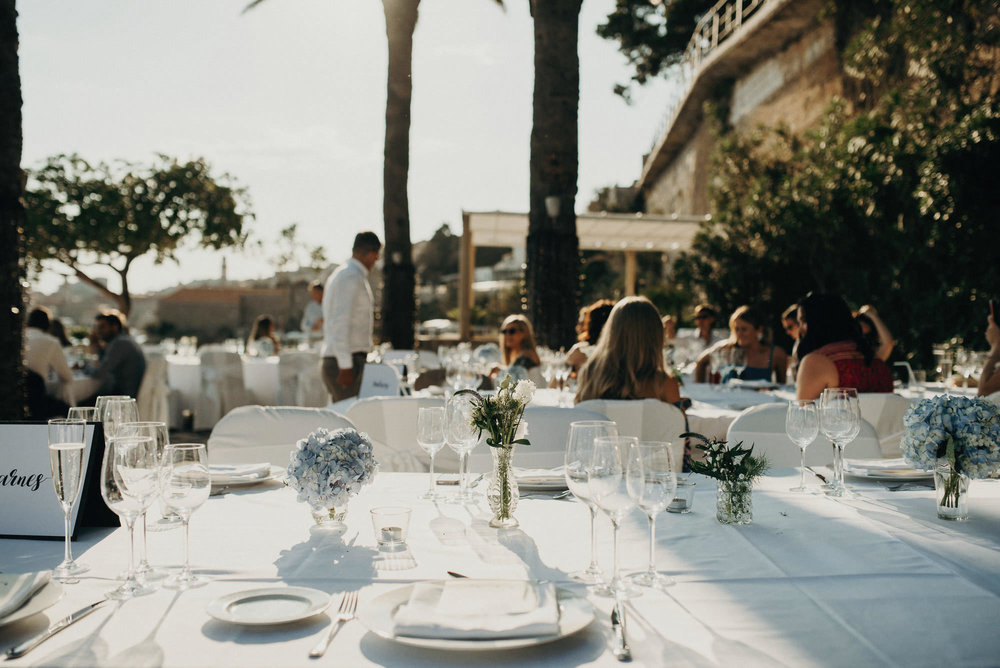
[[121, 363]]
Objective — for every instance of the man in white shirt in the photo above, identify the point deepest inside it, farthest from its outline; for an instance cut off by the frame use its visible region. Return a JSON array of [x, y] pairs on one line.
[[42, 352], [312, 318], [349, 319]]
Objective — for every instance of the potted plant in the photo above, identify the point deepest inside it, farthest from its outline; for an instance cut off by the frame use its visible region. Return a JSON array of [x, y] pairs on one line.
[[736, 468]]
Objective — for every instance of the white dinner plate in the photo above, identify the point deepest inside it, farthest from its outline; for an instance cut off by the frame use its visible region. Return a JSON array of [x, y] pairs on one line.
[[575, 613], [889, 474], [46, 597], [270, 605], [221, 479], [541, 483]]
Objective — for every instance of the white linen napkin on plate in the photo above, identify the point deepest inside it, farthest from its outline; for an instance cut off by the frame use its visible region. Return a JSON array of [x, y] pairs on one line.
[[479, 610], [223, 473], [892, 466], [539, 476], [16, 590]]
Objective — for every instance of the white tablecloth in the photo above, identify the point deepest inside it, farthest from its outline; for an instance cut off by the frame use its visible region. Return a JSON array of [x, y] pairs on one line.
[[813, 581]]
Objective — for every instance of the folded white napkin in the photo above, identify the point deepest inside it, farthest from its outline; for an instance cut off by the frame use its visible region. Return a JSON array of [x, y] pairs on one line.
[[893, 465], [16, 590], [222, 473], [539, 476], [479, 610]]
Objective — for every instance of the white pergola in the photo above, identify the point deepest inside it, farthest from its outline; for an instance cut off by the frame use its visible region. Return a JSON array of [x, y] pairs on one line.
[[628, 233]]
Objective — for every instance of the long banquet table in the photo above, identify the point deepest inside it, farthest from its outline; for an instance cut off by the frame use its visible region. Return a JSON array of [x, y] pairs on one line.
[[875, 580]]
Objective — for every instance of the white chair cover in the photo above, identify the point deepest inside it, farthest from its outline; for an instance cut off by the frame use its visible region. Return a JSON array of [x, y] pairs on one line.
[[885, 413], [548, 427], [222, 387], [311, 390], [428, 360], [764, 427], [391, 423], [646, 419], [153, 399], [379, 380], [252, 434], [291, 364]]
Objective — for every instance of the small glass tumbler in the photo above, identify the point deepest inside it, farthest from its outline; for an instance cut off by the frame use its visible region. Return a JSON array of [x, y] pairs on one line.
[[683, 497], [391, 525]]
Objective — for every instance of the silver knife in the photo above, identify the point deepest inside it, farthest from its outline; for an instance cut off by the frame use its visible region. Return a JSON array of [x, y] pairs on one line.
[[818, 475], [621, 649], [30, 644]]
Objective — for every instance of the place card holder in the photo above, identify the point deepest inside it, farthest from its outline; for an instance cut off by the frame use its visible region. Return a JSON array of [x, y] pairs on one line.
[[28, 504]]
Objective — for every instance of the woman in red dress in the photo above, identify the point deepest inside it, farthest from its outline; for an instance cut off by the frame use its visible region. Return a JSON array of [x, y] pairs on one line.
[[833, 352]]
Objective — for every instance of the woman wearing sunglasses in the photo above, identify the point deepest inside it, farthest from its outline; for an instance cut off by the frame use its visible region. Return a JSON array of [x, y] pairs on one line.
[[517, 343]]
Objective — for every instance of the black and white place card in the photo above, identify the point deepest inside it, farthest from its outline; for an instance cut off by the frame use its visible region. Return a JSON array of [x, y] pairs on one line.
[[28, 504]]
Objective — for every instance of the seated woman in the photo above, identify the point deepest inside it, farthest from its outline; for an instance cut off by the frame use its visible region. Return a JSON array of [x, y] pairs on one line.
[[517, 343], [747, 333], [262, 341], [592, 322], [628, 360], [989, 382], [833, 352], [875, 331]]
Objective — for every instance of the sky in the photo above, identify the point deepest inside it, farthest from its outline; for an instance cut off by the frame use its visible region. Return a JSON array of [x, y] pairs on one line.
[[289, 99]]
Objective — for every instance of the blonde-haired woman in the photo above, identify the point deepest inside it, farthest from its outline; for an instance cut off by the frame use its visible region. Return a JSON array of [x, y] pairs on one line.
[[628, 360], [517, 343], [748, 332]]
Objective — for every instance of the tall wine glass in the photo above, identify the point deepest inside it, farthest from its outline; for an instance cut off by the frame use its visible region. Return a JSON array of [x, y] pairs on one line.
[[462, 437], [840, 421], [615, 469], [653, 493], [114, 411], [579, 454], [802, 427], [85, 413], [185, 484], [738, 360], [66, 449], [128, 485], [158, 434], [430, 438]]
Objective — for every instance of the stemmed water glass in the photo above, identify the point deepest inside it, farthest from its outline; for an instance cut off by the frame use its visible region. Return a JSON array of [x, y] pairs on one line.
[[616, 470], [129, 477], [462, 437], [802, 427], [113, 411], [653, 494], [738, 361], [840, 421], [157, 432], [430, 438], [579, 455], [185, 484], [85, 413], [66, 449]]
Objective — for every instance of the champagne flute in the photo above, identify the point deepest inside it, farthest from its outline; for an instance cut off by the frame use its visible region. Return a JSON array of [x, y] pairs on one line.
[[430, 438], [615, 469], [461, 436], [66, 449], [654, 491], [579, 453], [186, 483], [802, 427], [840, 421], [128, 484]]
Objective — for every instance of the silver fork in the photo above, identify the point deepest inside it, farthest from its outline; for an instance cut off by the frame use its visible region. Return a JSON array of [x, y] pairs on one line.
[[348, 608]]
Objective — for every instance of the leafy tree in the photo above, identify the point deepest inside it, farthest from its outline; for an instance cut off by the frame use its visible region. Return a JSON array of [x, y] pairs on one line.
[[291, 252], [83, 215], [12, 399], [652, 34]]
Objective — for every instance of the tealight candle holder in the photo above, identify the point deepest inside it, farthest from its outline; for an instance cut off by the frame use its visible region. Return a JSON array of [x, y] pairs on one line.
[[390, 524], [683, 497]]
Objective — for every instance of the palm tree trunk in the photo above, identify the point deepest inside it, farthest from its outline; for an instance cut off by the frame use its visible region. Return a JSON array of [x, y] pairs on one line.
[[12, 399], [553, 261], [398, 294]]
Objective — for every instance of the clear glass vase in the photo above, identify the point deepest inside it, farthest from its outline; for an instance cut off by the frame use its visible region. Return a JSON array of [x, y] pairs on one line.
[[951, 489], [734, 502], [502, 493], [329, 520]]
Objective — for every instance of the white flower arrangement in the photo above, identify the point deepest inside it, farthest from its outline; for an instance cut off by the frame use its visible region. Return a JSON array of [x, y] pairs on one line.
[[328, 467], [500, 415], [961, 431]]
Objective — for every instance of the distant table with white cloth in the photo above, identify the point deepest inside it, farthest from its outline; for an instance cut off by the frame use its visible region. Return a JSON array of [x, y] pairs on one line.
[[260, 378], [814, 581]]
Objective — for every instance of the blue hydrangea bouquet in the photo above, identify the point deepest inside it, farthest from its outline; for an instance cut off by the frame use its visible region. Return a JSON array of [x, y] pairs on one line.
[[328, 467], [959, 434]]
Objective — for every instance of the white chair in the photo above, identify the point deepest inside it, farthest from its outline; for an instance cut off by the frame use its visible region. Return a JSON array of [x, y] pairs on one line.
[[391, 423], [379, 380], [548, 427], [764, 427], [428, 360], [291, 364], [253, 434], [222, 386], [311, 390], [885, 412], [153, 398], [646, 419]]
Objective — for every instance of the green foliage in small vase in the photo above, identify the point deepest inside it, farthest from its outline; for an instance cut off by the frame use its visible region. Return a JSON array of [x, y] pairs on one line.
[[735, 464]]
